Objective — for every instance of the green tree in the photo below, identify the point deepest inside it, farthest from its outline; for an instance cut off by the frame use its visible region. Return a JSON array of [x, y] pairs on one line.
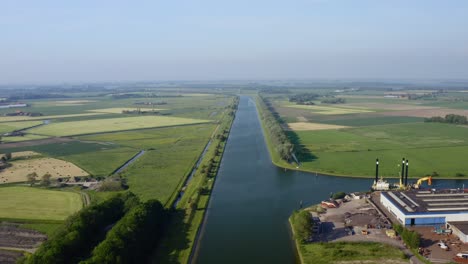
[[45, 180], [31, 178]]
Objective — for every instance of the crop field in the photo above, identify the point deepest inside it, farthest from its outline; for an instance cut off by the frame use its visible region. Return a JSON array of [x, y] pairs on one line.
[[27, 118], [12, 126], [57, 168], [119, 110], [330, 110], [28, 203], [304, 126], [112, 124], [430, 148], [86, 155]]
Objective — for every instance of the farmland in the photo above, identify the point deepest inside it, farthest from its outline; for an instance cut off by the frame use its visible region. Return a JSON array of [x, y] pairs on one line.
[[111, 124], [344, 139], [28, 118], [55, 167], [117, 110], [171, 153], [12, 126], [103, 139], [26, 203]]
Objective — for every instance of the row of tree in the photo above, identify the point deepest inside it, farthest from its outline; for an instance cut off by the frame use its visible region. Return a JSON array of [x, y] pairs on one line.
[[133, 238], [83, 231], [304, 98], [334, 101], [272, 121], [450, 118], [411, 238]]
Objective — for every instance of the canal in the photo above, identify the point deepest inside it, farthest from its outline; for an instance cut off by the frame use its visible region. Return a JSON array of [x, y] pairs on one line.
[[247, 219]]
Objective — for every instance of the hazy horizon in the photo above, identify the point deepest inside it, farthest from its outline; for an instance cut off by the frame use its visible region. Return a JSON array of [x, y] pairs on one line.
[[99, 41]]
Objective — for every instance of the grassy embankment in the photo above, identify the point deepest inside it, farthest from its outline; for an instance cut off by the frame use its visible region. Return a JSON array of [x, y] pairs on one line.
[[338, 252], [188, 216]]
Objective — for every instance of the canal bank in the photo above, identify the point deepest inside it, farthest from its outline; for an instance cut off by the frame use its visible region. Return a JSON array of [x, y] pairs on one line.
[[247, 218]]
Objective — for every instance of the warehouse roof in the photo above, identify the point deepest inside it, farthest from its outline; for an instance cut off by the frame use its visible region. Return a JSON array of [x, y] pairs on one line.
[[429, 201]]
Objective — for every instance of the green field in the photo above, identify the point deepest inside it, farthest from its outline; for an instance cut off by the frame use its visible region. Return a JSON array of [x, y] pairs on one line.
[[170, 155], [29, 118], [26, 203], [12, 126], [111, 124], [344, 252], [371, 121], [430, 148]]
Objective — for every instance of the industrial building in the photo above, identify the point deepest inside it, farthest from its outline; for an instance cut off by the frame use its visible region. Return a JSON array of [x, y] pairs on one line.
[[418, 207], [430, 207]]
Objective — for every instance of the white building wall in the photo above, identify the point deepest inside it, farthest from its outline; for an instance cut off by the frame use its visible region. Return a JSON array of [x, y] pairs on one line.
[[392, 209]]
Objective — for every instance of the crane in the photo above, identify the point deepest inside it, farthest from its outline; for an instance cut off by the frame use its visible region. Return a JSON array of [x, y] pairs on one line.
[[420, 181]]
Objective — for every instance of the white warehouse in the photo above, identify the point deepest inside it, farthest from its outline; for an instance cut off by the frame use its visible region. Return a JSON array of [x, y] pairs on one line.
[[433, 208]]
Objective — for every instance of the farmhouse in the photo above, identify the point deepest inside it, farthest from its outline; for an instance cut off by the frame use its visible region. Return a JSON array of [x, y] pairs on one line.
[[430, 207]]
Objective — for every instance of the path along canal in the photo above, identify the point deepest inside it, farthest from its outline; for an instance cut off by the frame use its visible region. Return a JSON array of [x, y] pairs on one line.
[[247, 219]]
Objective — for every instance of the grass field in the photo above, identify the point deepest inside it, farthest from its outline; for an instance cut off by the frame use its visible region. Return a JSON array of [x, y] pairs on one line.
[[118, 110], [371, 121], [171, 153], [111, 124], [23, 138], [357, 252], [57, 168], [28, 118], [37, 204], [430, 148], [12, 126]]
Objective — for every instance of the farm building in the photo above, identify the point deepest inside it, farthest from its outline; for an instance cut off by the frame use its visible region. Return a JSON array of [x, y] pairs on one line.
[[428, 207]]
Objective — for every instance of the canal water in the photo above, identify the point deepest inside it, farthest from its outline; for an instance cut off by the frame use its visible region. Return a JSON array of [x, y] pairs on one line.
[[247, 219]]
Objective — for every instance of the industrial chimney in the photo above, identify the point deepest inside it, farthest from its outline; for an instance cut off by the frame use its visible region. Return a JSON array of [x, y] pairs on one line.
[[406, 173], [376, 170], [402, 175]]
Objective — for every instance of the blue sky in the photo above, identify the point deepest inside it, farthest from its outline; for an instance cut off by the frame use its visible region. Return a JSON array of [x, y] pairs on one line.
[[99, 40]]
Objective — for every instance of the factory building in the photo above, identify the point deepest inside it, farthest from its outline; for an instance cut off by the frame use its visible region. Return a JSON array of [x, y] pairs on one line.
[[430, 208]]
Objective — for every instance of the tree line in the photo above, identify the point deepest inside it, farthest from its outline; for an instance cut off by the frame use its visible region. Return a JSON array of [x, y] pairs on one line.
[[450, 118], [133, 238], [133, 227], [411, 238], [82, 231], [304, 98], [334, 101], [280, 140]]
